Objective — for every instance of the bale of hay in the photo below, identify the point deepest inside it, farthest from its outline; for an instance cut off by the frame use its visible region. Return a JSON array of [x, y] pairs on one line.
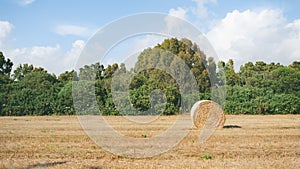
[[208, 114]]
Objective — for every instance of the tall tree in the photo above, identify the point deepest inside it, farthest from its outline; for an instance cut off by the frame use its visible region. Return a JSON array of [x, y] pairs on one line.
[[22, 70], [5, 65], [231, 77], [5, 70], [212, 68]]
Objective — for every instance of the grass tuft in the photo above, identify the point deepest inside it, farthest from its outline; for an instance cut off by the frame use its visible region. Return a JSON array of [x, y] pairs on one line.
[[206, 156]]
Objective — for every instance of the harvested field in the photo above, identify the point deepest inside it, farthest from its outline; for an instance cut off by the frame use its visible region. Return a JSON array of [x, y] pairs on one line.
[[59, 142]]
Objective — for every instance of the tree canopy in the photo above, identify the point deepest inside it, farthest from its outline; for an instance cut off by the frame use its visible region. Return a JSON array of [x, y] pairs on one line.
[[159, 84]]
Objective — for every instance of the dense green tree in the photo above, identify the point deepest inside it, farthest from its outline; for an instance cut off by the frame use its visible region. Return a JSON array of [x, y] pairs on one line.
[[22, 70], [232, 78], [158, 83], [295, 65], [5, 71], [65, 100], [212, 68], [286, 80], [68, 76], [34, 95], [5, 65]]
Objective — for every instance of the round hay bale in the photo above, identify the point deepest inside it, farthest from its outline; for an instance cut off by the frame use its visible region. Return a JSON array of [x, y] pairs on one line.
[[208, 114]]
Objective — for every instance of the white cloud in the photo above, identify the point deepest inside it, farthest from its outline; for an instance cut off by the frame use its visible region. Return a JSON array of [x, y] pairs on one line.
[[173, 24], [25, 2], [52, 58], [201, 10], [179, 12], [73, 30], [70, 58], [39, 56], [5, 28], [256, 36]]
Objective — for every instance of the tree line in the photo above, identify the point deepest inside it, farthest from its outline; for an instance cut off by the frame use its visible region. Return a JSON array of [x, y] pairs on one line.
[[158, 83]]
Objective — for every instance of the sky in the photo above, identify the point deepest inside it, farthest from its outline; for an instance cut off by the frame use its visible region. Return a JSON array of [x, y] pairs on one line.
[[52, 33]]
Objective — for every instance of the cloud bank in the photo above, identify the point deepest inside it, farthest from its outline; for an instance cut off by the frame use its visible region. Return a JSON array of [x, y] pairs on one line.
[[52, 58], [256, 36]]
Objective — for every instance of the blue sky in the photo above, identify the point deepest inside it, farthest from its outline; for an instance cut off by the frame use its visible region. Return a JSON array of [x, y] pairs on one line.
[[51, 33]]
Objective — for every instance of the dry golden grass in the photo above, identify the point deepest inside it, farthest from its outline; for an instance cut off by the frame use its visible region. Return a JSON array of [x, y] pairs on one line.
[[59, 142]]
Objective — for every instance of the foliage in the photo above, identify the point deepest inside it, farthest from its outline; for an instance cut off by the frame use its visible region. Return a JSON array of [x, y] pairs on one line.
[[5, 65], [206, 156], [264, 89], [158, 83]]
